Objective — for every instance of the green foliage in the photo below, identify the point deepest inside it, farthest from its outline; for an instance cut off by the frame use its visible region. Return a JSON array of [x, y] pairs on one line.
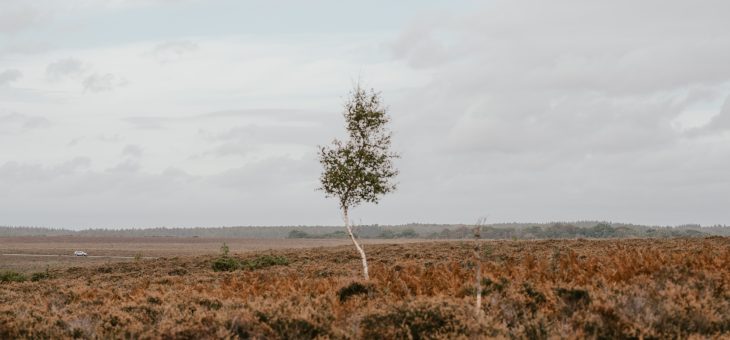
[[138, 256], [225, 264], [355, 288], [408, 233], [225, 250], [40, 276], [264, 261], [229, 264], [335, 234], [11, 276], [361, 168]]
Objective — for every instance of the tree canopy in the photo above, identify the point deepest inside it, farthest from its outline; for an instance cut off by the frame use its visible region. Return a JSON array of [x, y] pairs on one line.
[[361, 168]]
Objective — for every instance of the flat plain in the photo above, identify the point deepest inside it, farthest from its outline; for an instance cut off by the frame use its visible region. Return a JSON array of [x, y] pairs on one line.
[[105, 250], [630, 288]]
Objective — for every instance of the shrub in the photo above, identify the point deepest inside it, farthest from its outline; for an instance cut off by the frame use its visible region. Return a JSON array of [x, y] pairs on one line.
[[264, 261], [211, 304], [293, 328], [489, 286], [574, 296], [413, 322], [355, 288], [40, 276], [178, 271], [225, 264], [574, 299], [11, 276]]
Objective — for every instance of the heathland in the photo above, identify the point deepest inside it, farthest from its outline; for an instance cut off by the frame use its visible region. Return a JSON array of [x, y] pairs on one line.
[[579, 288]]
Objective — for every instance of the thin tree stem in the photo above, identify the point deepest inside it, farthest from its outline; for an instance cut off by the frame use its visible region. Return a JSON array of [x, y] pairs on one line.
[[357, 245], [478, 260]]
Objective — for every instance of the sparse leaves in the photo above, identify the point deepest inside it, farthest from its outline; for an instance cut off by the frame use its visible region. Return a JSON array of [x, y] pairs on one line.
[[361, 168]]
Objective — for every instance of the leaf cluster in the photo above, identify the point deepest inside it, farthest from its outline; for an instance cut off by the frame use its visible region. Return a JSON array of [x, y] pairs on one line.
[[360, 169]]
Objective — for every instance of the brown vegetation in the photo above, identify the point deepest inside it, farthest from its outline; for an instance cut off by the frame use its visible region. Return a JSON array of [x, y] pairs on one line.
[[535, 289], [118, 246]]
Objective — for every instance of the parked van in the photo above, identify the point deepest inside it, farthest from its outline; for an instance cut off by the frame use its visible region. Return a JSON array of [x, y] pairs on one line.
[[80, 253]]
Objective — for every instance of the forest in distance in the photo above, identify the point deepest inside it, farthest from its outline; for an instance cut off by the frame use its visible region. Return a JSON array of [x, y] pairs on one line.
[[553, 230]]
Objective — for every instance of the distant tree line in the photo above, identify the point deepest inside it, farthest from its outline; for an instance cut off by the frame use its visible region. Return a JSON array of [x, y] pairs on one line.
[[555, 230], [567, 230], [384, 234]]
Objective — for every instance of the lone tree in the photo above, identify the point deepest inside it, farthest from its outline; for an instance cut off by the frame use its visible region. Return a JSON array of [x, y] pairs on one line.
[[359, 169]]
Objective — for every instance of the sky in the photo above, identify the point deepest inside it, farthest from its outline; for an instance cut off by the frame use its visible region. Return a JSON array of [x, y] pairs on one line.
[[150, 113]]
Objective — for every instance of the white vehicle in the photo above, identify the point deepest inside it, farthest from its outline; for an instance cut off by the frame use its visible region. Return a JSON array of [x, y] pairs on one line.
[[80, 253]]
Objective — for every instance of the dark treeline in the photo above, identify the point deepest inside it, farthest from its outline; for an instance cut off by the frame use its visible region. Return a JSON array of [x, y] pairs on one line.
[[555, 230]]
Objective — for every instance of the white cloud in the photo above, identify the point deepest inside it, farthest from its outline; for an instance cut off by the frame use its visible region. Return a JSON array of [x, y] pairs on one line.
[[172, 50], [68, 67], [9, 76], [102, 82], [133, 151], [16, 16], [19, 122]]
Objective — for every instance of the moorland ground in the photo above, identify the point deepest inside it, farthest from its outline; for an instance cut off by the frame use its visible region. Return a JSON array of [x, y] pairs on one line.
[[115, 249], [531, 289]]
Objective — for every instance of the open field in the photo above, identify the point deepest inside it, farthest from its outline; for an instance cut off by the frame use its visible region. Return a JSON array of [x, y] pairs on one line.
[[533, 289], [103, 250]]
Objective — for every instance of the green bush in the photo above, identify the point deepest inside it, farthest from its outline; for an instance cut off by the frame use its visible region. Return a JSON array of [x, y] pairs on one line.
[[225, 264], [264, 261], [10, 276], [229, 264], [40, 276]]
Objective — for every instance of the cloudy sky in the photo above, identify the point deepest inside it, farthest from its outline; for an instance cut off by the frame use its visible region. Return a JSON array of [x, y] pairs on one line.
[[140, 113]]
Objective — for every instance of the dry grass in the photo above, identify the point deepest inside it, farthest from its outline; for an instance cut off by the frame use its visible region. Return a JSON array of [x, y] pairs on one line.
[[535, 289], [131, 246]]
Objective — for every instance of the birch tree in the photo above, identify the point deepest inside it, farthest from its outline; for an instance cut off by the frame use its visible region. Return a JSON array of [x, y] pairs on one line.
[[359, 169]]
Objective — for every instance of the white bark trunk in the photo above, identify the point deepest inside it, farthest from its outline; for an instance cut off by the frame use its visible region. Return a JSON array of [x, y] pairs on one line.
[[357, 245], [478, 260]]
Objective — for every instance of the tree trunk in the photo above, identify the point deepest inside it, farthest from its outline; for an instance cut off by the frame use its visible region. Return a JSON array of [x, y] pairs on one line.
[[478, 263], [357, 245]]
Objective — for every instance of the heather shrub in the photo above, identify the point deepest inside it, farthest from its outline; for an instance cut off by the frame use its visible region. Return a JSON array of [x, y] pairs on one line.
[[414, 322], [40, 276], [11, 276], [355, 288], [264, 261], [225, 264], [292, 328]]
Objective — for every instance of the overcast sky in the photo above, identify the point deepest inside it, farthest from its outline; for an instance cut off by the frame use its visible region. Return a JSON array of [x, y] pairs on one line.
[[141, 113]]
